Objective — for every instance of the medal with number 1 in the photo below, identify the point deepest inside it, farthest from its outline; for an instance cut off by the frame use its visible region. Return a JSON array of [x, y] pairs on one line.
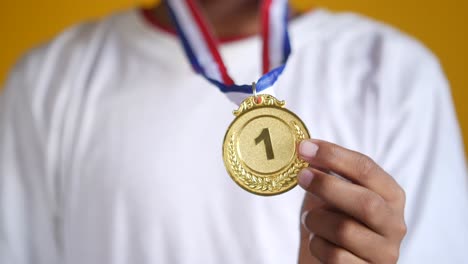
[[259, 148]]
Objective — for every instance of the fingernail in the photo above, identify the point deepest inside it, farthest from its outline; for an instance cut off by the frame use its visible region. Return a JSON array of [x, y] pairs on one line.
[[308, 149], [303, 217], [311, 235], [304, 178]]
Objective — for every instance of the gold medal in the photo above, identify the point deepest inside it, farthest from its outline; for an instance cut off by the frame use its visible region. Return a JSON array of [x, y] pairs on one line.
[[259, 148]]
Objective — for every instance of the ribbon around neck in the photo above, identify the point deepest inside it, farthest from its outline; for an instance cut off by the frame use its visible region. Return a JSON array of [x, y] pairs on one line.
[[201, 47]]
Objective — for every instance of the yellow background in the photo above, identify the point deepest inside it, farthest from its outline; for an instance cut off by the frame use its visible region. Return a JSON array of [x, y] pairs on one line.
[[441, 25]]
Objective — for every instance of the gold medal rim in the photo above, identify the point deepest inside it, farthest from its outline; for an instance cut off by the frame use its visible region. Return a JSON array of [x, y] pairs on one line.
[[278, 106]]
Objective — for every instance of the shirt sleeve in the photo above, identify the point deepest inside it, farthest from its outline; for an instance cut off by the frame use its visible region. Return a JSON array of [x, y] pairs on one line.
[[419, 143], [27, 197]]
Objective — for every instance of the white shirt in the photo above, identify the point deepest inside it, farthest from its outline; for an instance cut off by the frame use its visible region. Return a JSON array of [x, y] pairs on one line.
[[110, 145]]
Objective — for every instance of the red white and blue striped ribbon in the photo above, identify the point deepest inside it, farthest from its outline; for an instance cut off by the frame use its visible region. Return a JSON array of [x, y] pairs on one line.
[[201, 47]]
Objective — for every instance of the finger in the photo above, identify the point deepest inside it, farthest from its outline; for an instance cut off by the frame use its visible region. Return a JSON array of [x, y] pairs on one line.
[[349, 234], [304, 252], [327, 252], [354, 200], [311, 201], [352, 165]]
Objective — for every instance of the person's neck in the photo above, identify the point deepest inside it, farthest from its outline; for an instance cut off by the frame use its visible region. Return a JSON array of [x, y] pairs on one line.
[[227, 18]]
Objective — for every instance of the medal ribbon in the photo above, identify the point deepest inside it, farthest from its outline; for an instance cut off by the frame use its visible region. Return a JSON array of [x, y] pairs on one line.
[[201, 47]]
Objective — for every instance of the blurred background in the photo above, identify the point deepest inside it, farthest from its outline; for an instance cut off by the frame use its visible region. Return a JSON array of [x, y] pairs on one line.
[[441, 25]]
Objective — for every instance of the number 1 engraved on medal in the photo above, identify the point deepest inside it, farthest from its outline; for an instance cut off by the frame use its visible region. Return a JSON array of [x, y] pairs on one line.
[[265, 137]]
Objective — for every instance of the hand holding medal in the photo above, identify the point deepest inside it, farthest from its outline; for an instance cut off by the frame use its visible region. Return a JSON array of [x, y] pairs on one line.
[[259, 149]]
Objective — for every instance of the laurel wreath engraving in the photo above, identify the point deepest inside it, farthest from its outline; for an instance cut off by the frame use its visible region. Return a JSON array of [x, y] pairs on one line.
[[265, 184]]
